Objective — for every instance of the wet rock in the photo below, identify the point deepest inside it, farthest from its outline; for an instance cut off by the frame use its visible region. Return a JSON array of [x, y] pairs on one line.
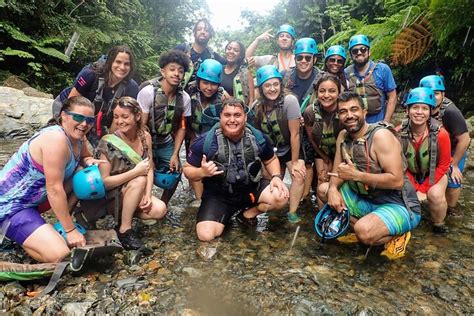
[[193, 273], [132, 257], [305, 307], [22, 311], [447, 293], [107, 306], [76, 309], [13, 289], [431, 265], [206, 252]]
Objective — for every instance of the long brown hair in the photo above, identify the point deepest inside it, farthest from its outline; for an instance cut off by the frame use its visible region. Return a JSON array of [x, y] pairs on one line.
[[326, 77], [111, 55]]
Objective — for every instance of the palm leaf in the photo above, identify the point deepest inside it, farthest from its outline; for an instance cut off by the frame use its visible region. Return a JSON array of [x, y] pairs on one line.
[[52, 52], [412, 42], [16, 52]]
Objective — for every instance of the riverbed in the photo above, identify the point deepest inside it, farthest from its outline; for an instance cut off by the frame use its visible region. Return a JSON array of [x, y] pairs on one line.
[[254, 272]]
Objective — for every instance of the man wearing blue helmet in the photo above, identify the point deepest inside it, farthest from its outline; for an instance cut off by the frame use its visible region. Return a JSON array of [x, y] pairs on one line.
[[369, 180], [452, 119], [284, 59], [373, 81], [427, 151], [166, 108], [300, 81]]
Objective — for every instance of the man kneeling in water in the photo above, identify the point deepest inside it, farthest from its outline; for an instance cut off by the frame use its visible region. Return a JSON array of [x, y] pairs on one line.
[[370, 181], [229, 160]]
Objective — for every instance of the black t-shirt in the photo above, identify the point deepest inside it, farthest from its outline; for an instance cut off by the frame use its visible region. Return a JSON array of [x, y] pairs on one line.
[[228, 81], [300, 86], [454, 123], [206, 54]]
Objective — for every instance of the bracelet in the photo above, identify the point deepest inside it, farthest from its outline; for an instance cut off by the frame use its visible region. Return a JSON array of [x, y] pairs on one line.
[[70, 230], [275, 175]]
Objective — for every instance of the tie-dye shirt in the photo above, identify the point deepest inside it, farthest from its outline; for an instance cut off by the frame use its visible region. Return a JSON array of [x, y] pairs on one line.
[[22, 180]]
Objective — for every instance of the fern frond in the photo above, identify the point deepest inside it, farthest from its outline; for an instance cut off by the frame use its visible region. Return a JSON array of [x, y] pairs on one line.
[[49, 40], [16, 33], [16, 52], [412, 42], [52, 52]]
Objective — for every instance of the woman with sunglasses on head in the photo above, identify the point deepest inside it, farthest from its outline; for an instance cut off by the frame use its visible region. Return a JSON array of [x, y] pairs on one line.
[[334, 64], [38, 177], [278, 116], [322, 126], [236, 78], [102, 83], [128, 167]]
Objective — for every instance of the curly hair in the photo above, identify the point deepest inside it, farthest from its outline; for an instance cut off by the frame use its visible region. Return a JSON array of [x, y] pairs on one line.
[[175, 56], [241, 58]]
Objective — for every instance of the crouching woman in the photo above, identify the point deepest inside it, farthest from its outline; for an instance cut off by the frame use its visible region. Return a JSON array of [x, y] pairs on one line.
[[128, 167]]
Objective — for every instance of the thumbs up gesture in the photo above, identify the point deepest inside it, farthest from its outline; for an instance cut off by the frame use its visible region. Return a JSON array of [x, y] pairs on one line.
[[209, 168], [347, 171]]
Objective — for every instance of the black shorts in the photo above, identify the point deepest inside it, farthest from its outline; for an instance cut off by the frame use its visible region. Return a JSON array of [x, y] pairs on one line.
[[308, 150], [220, 207]]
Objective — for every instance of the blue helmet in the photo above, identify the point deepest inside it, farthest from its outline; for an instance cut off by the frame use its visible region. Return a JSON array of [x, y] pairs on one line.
[[336, 50], [267, 72], [59, 228], [359, 39], [435, 82], [421, 95], [286, 28], [330, 224], [87, 184], [306, 45], [166, 180], [210, 70]]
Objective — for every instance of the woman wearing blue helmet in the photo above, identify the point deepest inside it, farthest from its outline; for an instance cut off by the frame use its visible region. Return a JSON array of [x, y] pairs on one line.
[[37, 178], [334, 62], [427, 150], [128, 168], [278, 116]]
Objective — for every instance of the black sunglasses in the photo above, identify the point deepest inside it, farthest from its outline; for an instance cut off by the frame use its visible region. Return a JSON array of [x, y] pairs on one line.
[[79, 118], [301, 57], [336, 60], [363, 50]]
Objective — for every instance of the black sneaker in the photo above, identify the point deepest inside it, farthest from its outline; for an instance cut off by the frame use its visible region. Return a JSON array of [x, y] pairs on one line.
[[440, 229], [129, 240], [455, 212], [247, 222]]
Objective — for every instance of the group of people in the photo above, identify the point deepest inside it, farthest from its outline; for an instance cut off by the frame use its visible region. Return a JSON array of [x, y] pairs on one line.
[[330, 129]]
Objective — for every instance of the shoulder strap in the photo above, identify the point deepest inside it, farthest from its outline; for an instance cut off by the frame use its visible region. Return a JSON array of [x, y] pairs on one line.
[[209, 137], [434, 131], [128, 151]]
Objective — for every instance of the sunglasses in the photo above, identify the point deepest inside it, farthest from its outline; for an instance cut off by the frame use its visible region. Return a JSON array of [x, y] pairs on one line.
[[362, 50], [336, 60], [301, 57], [79, 118]]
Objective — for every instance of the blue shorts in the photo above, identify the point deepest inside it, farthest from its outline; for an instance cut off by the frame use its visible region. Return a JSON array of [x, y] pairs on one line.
[[23, 224], [162, 156], [461, 164], [396, 217]]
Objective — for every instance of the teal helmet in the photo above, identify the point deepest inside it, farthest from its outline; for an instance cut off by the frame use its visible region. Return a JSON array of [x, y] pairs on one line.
[[267, 72], [59, 228], [210, 70], [336, 50], [421, 95], [286, 28], [359, 39], [330, 224], [166, 180], [306, 45], [87, 184], [435, 82]]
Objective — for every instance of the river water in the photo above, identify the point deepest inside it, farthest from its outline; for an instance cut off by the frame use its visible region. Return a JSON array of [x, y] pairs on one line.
[[256, 272]]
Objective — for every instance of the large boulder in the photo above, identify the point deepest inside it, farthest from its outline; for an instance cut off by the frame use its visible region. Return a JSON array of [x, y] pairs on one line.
[[21, 115]]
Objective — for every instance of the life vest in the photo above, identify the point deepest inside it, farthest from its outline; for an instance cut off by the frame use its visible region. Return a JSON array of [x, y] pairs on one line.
[[203, 120], [190, 75], [358, 151], [275, 61], [165, 117], [425, 160], [326, 132], [366, 88], [240, 162], [289, 79], [241, 85], [276, 126]]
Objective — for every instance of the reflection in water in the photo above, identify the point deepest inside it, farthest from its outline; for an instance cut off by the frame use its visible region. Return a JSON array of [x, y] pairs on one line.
[[255, 272]]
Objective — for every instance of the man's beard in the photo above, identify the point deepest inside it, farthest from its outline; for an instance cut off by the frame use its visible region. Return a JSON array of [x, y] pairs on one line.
[[233, 135], [357, 128], [360, 64], [202, 42]]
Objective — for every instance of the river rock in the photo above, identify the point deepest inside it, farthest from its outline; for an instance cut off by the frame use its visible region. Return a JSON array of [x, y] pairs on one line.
[[22, 115], [73, 309], [22, 311], [13, 289]]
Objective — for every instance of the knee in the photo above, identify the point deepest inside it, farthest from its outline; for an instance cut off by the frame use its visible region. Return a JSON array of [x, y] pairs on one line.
[[436, 197], [363, 233], [323, 191], [206, 233], [55, 254], [139, 183], [159, 209]]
